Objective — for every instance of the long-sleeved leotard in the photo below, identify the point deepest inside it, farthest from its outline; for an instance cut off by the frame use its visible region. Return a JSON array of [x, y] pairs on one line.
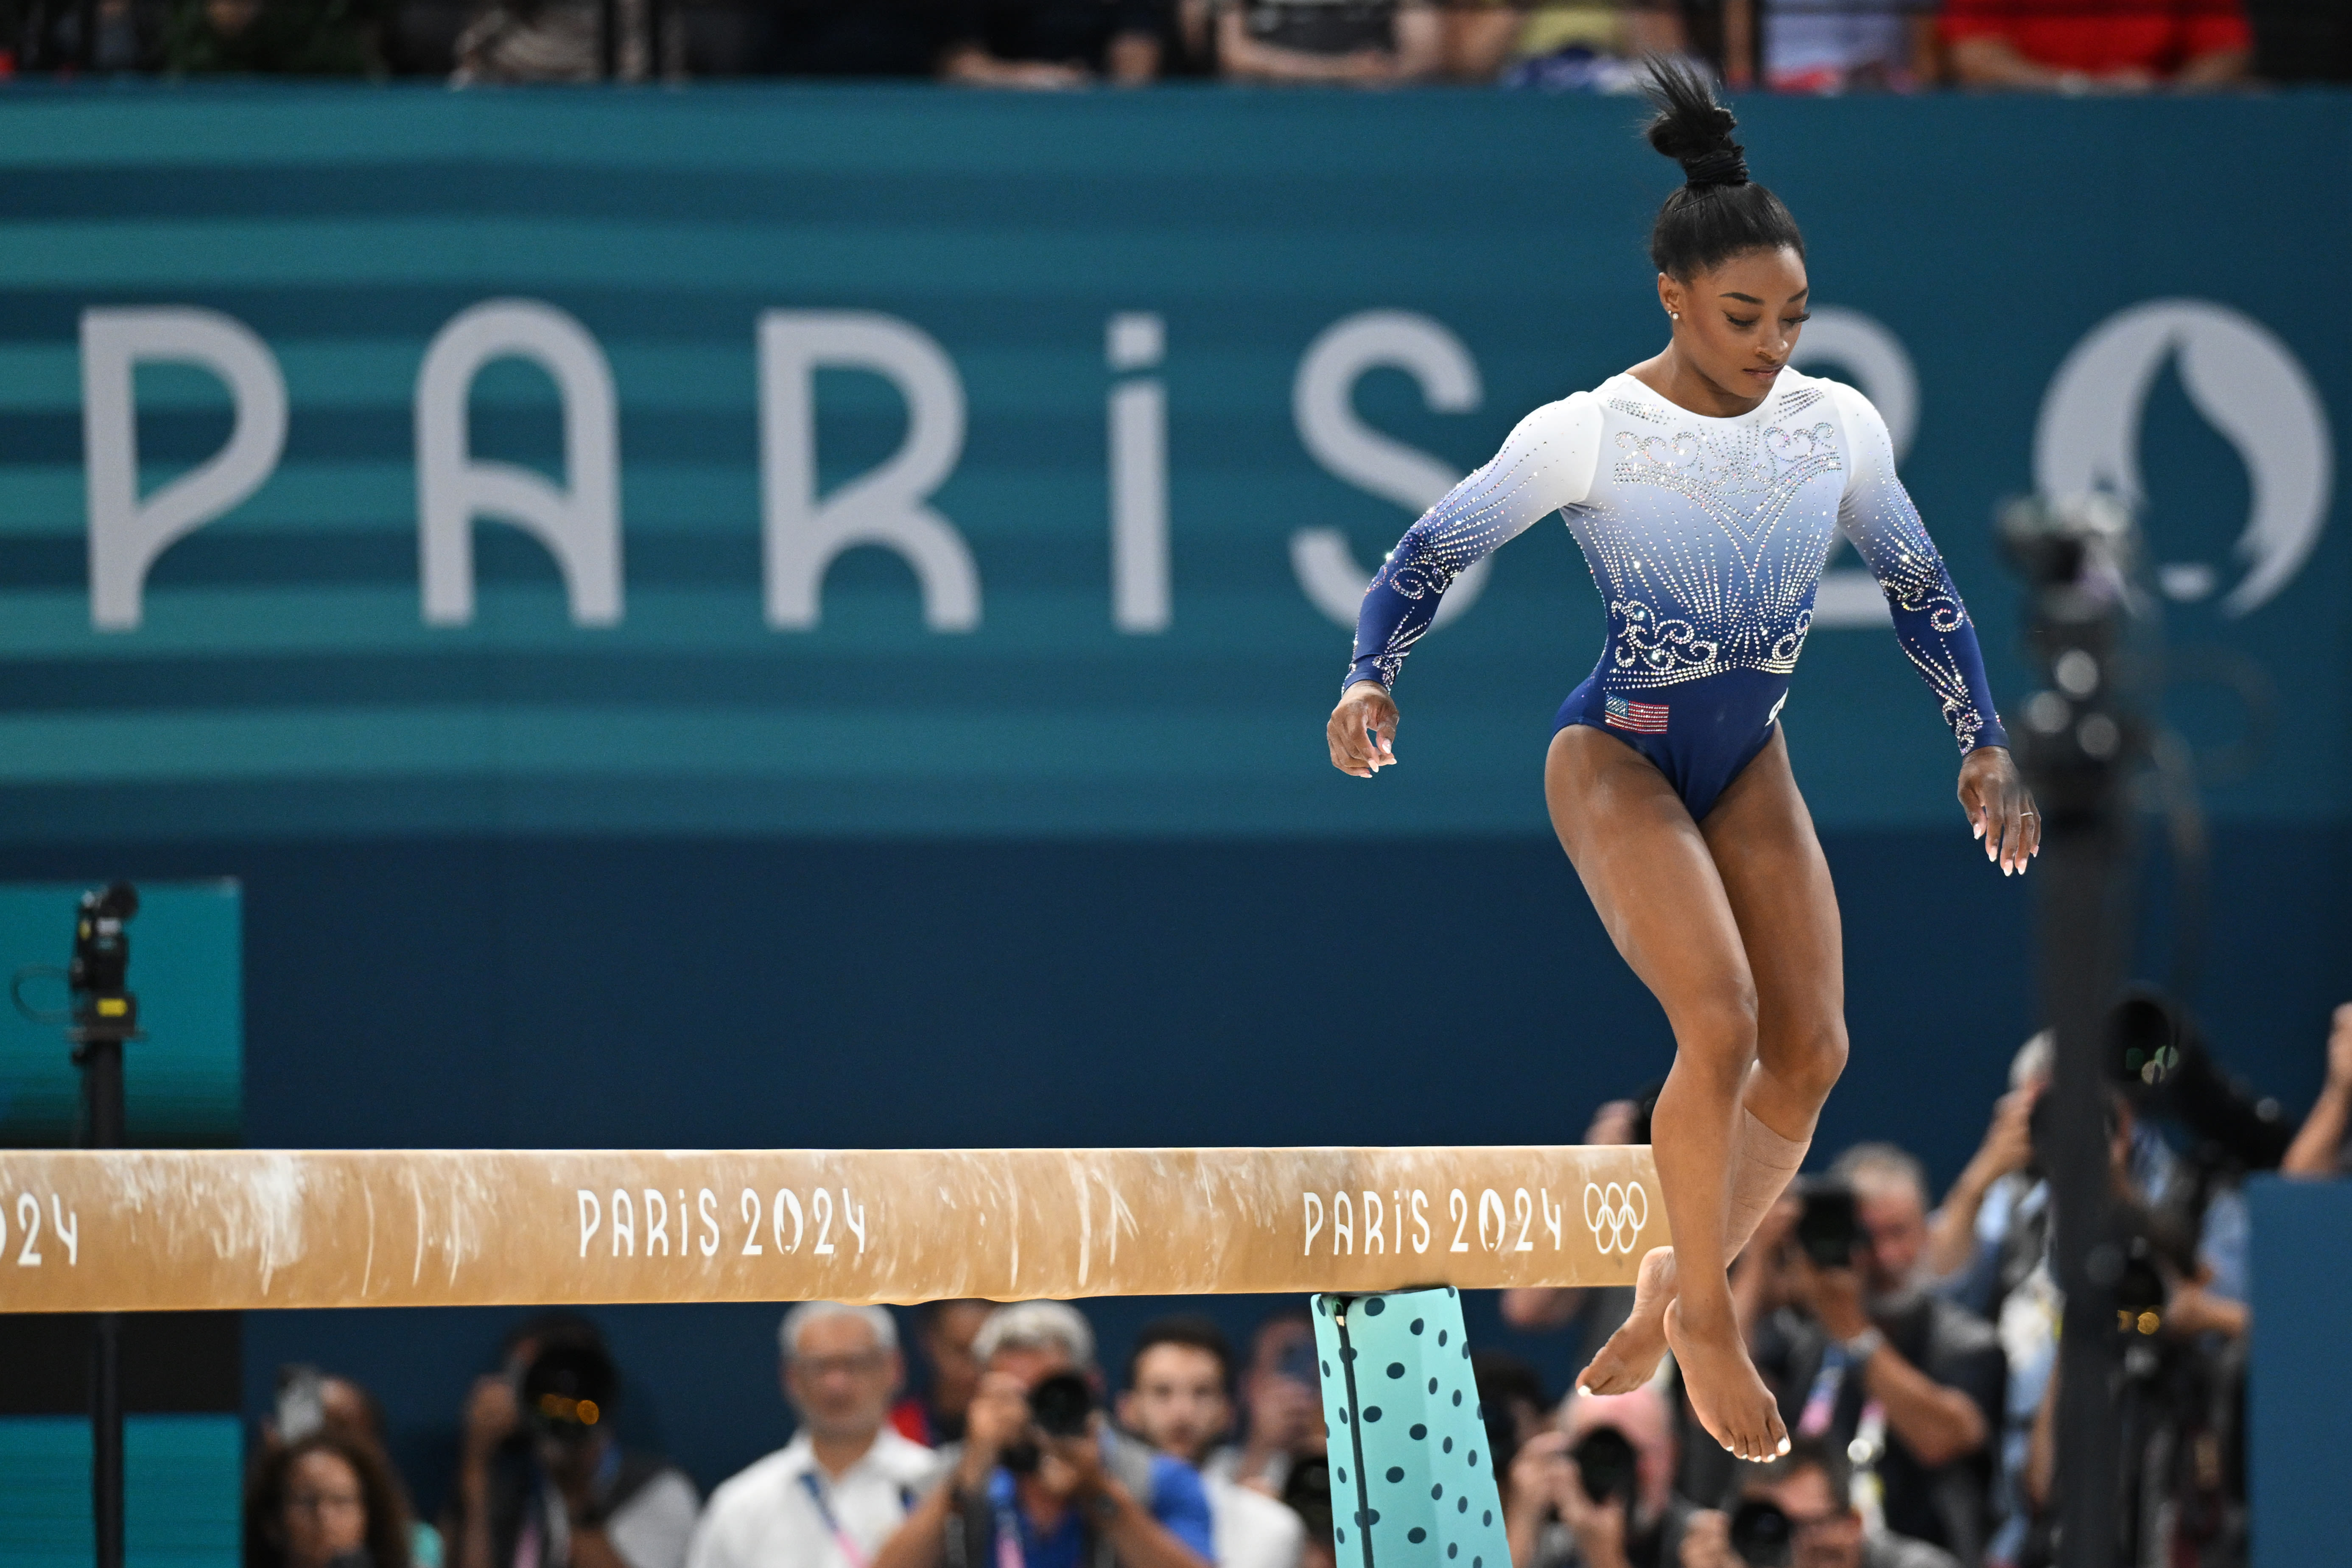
[[1707, 538]]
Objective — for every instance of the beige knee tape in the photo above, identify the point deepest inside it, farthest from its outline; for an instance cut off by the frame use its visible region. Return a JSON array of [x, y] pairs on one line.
[[1767, 1163]]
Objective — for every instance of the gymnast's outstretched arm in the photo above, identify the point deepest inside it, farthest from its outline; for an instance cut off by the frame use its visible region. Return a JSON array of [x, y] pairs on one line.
[[1935, 631], [1547, 463]]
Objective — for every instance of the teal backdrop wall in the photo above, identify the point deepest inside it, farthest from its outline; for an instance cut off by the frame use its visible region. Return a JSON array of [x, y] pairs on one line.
[[1018, 829]]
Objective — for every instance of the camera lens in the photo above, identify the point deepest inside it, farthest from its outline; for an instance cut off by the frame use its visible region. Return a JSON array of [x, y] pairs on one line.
[[1604, 1464], [1061, 1405], [1761, 1534]]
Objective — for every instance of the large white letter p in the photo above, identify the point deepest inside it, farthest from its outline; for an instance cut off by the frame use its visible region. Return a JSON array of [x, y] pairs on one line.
[[126, 534]]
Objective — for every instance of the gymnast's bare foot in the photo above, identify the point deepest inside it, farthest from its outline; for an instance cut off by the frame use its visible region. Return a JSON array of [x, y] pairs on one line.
[[1631, 1357], [1731, 1401]]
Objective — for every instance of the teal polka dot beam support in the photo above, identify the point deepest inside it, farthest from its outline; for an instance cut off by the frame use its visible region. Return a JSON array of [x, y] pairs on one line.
[[1412, 1482]]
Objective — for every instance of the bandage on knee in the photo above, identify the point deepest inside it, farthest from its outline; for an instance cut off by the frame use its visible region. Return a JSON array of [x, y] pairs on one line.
[[1765, 1165]]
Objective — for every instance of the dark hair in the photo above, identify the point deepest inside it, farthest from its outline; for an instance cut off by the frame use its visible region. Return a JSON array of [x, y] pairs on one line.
[[1720, 213], [380, 1494], [1804, 1453], [1199, 1332]]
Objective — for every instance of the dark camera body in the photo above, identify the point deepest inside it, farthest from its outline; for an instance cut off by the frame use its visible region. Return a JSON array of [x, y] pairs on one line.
[[1062, 1406], [1829, 1230], [1761, 1534], [1604, 1465]]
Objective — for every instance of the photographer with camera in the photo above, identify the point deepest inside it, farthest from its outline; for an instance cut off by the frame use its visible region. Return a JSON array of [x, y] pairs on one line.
[[1041, 1480], [544, 1482], [1598, 1491], [1860, 1351], [1798, 1511]]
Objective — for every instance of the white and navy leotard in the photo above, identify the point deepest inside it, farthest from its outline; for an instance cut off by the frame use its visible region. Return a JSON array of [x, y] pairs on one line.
[[1707, 538]]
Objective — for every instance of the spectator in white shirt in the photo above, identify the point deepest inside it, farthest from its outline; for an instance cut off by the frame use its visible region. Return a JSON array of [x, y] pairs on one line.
[[830, 1497], [1179, 1399]]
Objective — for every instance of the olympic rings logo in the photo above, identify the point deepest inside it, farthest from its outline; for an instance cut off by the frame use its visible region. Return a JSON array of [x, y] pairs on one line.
[[1615, 1214]]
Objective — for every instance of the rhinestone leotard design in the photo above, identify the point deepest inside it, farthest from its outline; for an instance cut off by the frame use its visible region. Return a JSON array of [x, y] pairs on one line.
[[1705, 538]]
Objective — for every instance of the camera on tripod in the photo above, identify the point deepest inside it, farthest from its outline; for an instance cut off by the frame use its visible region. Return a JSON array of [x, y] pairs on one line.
[[99, 973]]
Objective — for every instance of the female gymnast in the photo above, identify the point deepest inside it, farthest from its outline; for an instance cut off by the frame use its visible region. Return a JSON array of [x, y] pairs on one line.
[[1706, 486]]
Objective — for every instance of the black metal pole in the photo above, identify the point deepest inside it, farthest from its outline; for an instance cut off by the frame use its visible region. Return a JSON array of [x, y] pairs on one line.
[[2082, 864], [2081, 736], [608, 38], [101, 1078], [105, 1014]]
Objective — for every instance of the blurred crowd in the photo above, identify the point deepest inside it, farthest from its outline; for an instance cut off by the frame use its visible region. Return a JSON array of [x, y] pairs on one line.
[[1911, 1343], [1553, 46]]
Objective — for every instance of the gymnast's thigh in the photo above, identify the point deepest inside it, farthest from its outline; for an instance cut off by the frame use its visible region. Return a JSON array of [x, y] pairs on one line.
[[1651, 878], [1777, 881]]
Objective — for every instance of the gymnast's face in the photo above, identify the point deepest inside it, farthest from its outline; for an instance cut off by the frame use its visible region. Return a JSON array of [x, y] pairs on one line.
[[1737, 325]]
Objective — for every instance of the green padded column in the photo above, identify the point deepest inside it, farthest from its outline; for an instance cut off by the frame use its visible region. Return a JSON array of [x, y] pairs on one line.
[[1412, 1482]]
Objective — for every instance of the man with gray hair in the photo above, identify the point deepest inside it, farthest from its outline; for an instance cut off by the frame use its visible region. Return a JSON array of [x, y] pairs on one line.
[[833, 1494], [1865, 1358], [1041, 1479]]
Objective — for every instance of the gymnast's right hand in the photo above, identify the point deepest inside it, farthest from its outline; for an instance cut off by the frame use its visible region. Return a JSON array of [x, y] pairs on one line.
[[1361, 729]]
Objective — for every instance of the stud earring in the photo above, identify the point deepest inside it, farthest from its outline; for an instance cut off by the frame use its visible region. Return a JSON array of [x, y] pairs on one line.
[[1674, 315]]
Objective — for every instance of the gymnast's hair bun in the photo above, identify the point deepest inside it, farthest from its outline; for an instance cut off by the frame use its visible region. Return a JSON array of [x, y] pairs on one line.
[[1690, 126]]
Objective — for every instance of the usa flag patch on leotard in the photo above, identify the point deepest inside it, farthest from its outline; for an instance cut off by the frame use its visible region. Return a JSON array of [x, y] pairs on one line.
[[1647, 717]]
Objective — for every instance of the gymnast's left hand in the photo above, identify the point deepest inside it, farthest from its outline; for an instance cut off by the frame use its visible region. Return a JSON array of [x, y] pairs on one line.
[[2000, 808], [1361, 729]]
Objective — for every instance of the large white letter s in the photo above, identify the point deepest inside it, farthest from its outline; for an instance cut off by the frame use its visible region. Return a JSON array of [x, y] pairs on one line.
[[1322, 403]]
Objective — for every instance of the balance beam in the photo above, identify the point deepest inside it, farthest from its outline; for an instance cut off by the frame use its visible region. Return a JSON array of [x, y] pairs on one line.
[[171, 1230]]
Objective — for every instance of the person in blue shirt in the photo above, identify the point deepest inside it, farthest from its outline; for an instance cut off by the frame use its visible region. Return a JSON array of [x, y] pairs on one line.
[[1012, 1496]]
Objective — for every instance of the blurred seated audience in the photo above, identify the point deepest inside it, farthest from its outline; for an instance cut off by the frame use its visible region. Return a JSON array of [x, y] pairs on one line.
[[542, 1481], [1823, 47], [1052, 43], [1281, 1395], [1359, 43], [2098, 45], [2318, 1151], [850, 37], [1862, 1356], [559, 41], [943, 1332], [1598, 1491], [309, 1401], [829, 1497], [1063, 1499], [326, 1498], [1561, 46], [1800, 1510], [272, 38], [1179, 1399]]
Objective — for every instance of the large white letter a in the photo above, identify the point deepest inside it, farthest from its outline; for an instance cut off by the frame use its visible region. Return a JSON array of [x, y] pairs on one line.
[[579, 524], [884, 506]]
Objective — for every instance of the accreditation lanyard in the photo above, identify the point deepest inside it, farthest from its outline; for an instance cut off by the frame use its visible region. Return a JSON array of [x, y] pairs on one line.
[[841, 1537], [1009, 1554]]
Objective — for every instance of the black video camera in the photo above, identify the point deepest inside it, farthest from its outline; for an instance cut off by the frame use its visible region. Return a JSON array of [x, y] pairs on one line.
[[98, 972]]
